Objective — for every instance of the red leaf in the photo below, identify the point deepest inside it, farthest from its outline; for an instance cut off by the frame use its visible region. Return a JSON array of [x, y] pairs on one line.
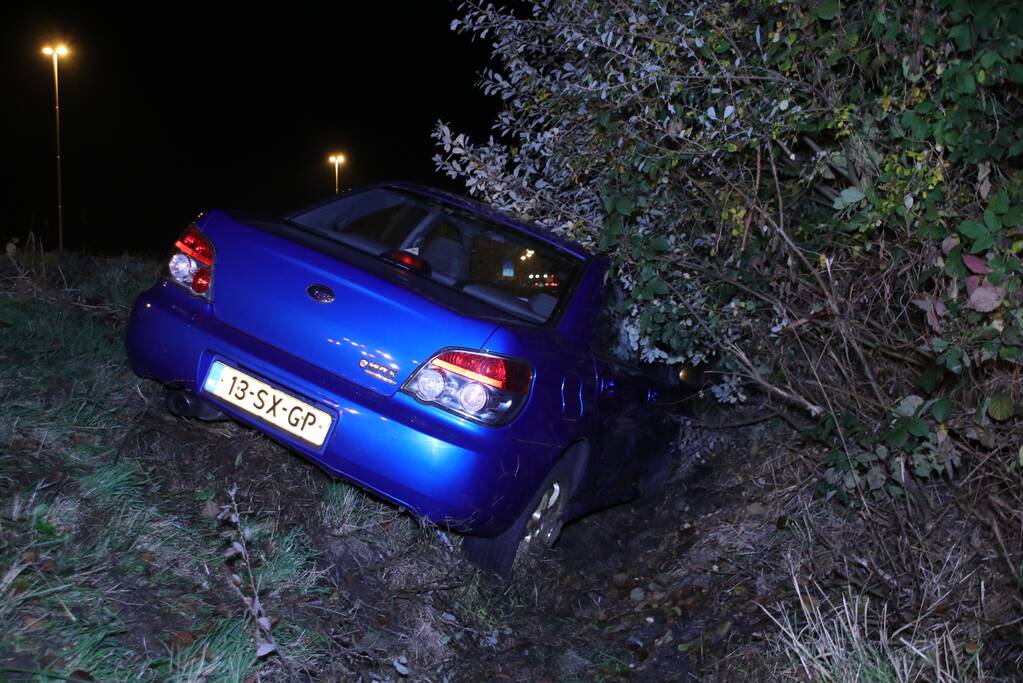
[[972, 282], [976, 264], [949, 243]]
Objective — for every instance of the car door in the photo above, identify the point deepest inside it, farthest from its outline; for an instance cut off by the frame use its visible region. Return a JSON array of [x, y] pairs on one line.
[[623, 395]]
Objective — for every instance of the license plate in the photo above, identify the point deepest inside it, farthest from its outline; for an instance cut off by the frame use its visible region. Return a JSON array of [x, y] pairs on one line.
[[259, 399]]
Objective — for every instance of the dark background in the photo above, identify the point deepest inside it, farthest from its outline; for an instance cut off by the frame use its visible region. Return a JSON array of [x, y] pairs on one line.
[[168, 109]]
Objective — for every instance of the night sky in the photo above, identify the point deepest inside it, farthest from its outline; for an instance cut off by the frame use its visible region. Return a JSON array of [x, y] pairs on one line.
[[167, 110]]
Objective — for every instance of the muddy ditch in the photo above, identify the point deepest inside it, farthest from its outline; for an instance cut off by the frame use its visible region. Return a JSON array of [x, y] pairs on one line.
[[636, 592]]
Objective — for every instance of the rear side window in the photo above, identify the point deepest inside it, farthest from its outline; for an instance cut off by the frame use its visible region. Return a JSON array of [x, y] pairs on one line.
[[507, 269]]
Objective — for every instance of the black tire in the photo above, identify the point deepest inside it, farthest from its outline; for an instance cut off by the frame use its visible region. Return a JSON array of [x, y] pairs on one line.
[[499, 554]]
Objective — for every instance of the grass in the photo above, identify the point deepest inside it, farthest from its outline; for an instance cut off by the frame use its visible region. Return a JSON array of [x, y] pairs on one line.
[[848, 640], [94, 559], [111, 566]]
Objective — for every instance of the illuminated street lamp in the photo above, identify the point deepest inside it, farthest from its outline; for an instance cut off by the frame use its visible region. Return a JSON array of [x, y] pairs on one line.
[[58, 52], [337, 160]]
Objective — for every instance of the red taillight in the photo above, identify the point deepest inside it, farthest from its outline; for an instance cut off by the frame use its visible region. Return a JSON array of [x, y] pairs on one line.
[[201, 281], [196, 246], [191, 265], [483, 387], [490, 370]]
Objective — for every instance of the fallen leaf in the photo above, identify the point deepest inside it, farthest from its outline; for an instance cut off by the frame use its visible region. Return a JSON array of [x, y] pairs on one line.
[[986, 298], [934, 310], [1000, 406], [210, 509], [184, 638], [265, 648], [934, 320], [976, 264], [949, 243], [31, 622], [972, 282], [909, 405], [400, 665], [984, 179]]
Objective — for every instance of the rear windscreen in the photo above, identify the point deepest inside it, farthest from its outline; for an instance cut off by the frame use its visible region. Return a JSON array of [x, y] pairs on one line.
[[507, 269]]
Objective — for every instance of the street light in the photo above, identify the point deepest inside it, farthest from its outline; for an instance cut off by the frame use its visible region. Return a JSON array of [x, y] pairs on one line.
[[337, 160], [57, 52]]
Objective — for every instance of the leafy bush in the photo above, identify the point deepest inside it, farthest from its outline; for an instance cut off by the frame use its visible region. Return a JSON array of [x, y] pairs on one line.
[[825, 197]]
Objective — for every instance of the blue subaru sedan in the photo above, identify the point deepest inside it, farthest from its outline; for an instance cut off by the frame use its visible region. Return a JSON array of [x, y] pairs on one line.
[[460, 363]]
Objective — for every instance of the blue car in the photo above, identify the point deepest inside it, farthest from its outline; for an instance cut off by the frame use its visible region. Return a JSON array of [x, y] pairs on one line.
[[458, 362]]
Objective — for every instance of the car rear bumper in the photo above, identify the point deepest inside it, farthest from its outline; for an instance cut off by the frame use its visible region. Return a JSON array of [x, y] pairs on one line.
[[456, 473]]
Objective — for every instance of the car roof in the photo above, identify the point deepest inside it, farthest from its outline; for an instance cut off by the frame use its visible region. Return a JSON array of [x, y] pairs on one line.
[[489, 212]]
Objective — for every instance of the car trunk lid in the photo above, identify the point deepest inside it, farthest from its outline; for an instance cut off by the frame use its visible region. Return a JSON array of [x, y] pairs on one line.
[[349, 313]]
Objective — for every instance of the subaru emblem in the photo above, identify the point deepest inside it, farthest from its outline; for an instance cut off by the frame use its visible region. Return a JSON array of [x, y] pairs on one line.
[[320, 293]]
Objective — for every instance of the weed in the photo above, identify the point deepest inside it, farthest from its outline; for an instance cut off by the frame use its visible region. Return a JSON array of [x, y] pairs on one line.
[[223, 654], [848, 640], [288, 565], [346, 510]]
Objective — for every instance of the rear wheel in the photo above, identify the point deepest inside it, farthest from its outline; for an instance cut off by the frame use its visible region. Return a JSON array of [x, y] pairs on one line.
[[535, 531]]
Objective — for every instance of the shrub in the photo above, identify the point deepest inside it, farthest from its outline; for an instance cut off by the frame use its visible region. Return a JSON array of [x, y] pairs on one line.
[[826, 197]]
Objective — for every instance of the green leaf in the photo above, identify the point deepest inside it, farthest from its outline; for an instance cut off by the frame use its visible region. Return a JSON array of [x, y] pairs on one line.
[[982, 244], [623, 205], [659, 244], [941, 409], [965, 83], [828, 9], [918, 427], [929, 378], [952, 359], [1013, 217], [609, 203], [897, 438], [1000, 203], [614, 226], [962, 36], [1000, 406], [973, 230], [1010, 353], [991, 220], [655, 286], [849, 196]]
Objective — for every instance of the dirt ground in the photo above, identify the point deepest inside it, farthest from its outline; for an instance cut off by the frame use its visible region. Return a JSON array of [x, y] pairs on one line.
[[627, 594]]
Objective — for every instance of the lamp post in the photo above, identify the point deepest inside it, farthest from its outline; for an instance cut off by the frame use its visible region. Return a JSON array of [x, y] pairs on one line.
[[57, 52], [337, 160]]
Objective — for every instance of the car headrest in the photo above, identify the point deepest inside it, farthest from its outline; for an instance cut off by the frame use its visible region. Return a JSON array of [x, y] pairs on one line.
[[446, 256], [543, 304]]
